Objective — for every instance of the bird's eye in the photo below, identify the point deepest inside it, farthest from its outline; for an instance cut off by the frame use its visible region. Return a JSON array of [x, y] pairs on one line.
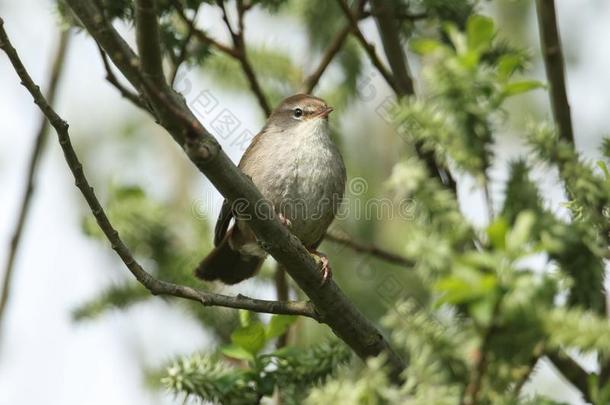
[[298, 113]]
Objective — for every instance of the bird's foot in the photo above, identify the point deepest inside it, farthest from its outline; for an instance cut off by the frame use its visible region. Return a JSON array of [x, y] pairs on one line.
[[284, 220], [324, 266]]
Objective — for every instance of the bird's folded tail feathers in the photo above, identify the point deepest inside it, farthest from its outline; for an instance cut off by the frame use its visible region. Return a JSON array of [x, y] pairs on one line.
[[227, 265]]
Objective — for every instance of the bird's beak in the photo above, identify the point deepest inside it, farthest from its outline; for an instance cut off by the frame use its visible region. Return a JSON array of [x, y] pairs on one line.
[[324, 112]]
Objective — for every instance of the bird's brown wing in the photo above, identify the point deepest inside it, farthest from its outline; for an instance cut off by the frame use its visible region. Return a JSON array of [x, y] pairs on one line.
[[222, 223]]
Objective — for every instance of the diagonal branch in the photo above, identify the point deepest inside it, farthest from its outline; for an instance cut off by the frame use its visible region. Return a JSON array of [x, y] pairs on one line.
[[201, 35], [333, 48], [368, 47], [555, 69], [155, 286], [332, 306], [39, 143], [368, 249], [389, 28], [125, 92]]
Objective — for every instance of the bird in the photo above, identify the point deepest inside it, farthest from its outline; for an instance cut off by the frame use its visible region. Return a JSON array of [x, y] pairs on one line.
[[298, 168]]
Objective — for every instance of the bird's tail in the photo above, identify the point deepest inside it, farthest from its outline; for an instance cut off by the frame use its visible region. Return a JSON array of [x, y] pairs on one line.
[[227, 265]]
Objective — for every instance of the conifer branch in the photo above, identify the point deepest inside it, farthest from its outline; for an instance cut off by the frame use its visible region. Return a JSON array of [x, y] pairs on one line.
[[38, 147], [155, 286], [555, 69]]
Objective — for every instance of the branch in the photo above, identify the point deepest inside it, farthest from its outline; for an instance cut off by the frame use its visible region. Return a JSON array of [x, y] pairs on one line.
[[335, 46], [332, 306], [368, 47], [201, 35], [112, 79], [39, 143], [368, 249], [148, 40], [555, 69], [388, 26], [239, 46], [479, 369], [155, 286], [179, 59], [572, 372]]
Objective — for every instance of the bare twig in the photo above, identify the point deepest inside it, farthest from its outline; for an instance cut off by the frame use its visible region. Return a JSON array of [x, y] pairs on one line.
[[239, 45], [368, 249], [112, 79], [368, 47], [555, 69], [155, 286], [28, 192], [331, 305], [179, 59], [333, 48]]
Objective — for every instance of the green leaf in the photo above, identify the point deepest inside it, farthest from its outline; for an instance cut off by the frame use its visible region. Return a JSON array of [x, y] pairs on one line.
[[479, 32], [236, 352], [515, 88], [278, 325], [520, 233], [250, 338], [244, 317], [426, 46], [508, 64], [496, 232]]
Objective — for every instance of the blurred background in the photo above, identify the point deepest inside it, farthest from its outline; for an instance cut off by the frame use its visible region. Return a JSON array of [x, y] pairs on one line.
[[63, 342]]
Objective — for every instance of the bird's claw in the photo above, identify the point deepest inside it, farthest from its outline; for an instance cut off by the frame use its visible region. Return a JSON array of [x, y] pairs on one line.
[[324, 267], [284, 220]]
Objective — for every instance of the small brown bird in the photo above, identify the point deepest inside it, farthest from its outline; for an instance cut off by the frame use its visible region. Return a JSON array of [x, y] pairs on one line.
[[298, 168]]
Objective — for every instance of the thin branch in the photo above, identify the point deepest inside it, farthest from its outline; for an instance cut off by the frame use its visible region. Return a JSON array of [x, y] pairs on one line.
[[368, 47], [239, 45], [536, 354], [555, 69], [331, 51], [331, 304], [155, 286], [148, 40], [112, 79], [333, 48], [179, 59], [201, 35], [572, 372], [389, 29], [39, 143], [368, 249], [282, 291]]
